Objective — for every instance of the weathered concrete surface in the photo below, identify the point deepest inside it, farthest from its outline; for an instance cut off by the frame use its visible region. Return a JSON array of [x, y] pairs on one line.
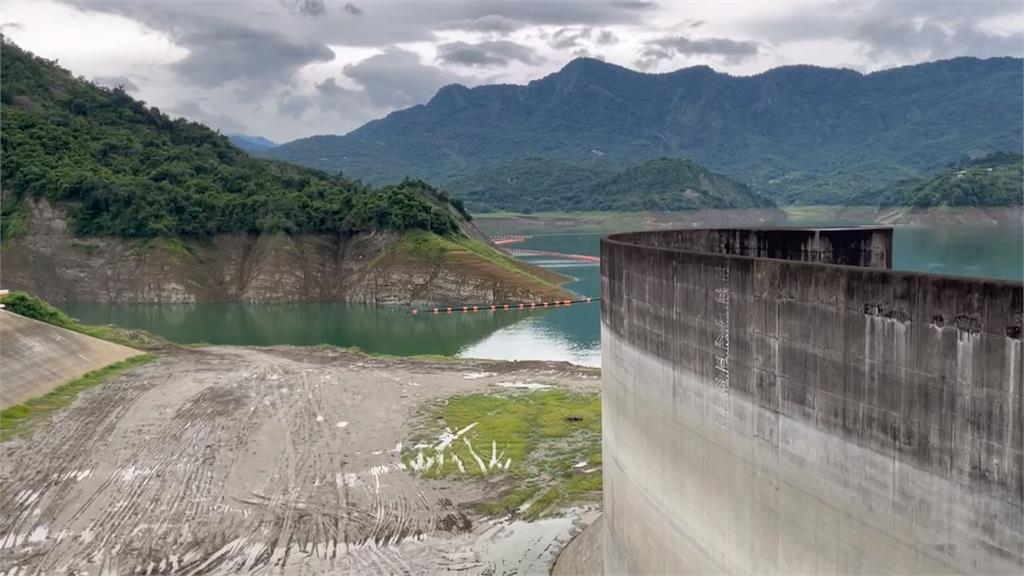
[[582, 556], [773, 416], [36, 357]]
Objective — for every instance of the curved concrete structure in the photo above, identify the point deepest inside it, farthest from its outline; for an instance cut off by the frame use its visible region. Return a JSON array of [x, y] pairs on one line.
[[36, 357], [779, 401]]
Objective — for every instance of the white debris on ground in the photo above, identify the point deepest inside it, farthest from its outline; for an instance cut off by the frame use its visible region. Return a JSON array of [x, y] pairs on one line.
[[212, 459]]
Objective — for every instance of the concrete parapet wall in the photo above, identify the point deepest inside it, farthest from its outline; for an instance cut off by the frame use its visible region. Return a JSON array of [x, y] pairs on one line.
[[771, 415]]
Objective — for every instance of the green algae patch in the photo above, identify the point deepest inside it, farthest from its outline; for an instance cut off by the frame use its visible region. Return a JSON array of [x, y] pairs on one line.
[[16, 419], [541, 447]]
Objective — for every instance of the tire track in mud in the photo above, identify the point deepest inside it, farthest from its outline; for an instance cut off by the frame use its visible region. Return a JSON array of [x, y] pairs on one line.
[[233, 460]]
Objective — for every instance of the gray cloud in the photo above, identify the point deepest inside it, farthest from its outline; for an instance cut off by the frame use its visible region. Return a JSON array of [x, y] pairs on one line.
[[903, 29], [484, 54], [569, 37], [226, 53], [488, 23], [115, 81], [635, 4], [198, 113], [312, 8], [606, 37], [397, 78], [352, 9], [577, 36], [731, 51], [330, 88]]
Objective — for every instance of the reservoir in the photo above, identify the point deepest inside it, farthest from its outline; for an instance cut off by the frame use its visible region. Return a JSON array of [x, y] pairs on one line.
[[572, 333]]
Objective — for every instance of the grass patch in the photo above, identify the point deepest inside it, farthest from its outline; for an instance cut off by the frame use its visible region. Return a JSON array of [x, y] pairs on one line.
[[535, 439], [29, 306], [16, 419], [436, 250], [423, 245]]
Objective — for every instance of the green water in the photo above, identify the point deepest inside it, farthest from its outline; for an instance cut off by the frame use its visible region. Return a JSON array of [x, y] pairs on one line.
[[571, 333]]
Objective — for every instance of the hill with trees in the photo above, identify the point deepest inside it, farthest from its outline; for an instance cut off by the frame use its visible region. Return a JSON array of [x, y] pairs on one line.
[[663, 184], [992, 180], [108, 200], [124, 169], [798, 134]]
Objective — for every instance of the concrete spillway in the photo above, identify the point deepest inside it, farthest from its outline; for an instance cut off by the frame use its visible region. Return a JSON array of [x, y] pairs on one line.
[[36, 357], [780, 401]]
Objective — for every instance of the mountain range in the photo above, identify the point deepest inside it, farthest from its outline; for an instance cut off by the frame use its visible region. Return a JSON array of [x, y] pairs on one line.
[[251, 143], [797, 134]]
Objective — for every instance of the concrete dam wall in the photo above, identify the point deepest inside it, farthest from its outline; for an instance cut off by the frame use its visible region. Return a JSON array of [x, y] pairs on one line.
[[780, 401]]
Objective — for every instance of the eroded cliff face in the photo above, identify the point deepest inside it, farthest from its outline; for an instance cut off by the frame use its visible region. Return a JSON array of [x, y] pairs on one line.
[[366, 268]]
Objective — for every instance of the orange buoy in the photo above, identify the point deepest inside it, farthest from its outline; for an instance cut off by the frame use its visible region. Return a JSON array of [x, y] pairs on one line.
[[567, 302]]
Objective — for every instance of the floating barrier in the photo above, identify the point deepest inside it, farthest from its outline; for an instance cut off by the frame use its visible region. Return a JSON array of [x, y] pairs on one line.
[[563, 255], [505, 307], [500, 240]]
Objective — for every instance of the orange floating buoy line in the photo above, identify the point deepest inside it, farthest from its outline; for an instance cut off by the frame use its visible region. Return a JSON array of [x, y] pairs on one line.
[[466, 308]]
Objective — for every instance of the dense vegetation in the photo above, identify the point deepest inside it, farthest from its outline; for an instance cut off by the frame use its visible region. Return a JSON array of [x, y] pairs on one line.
[[664, 184], [126, 169], [797, 134], [993, 180]]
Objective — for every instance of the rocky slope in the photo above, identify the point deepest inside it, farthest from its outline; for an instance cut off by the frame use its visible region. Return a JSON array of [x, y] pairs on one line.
[[382, 267]]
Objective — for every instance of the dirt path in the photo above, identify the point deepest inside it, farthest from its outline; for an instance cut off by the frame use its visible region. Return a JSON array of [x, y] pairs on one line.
[[274, 460]]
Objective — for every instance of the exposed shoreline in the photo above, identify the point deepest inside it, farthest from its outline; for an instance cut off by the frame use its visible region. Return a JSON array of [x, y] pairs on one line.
[[278, 457]]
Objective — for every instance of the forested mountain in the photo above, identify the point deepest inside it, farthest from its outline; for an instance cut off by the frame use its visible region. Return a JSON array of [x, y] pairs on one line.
[[251, 143], [993, 180], [108, 200], [664, 184], [796, 133], [122, 168]]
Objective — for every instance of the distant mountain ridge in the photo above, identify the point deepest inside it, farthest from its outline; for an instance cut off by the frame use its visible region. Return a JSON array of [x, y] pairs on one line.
[[660, 185], [797, 133], [251, 143]]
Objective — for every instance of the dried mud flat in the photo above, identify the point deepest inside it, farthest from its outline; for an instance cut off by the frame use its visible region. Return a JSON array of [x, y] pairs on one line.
[[269, 460]]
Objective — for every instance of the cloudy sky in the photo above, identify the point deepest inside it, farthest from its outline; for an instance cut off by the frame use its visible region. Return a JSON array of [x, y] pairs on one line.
[[285, 69]]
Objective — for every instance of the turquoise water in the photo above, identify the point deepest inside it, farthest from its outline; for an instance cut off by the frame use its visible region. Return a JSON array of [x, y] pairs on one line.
[[571, 333]]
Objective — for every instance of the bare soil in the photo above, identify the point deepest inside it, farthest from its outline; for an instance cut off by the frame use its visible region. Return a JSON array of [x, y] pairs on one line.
[[274, 460]]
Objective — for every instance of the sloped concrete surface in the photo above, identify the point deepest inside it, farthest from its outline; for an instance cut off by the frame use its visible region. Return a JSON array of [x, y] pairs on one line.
[[36, 357]]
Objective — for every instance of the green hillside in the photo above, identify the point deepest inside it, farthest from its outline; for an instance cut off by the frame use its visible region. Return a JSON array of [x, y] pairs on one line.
[[664, 184], [122, 168], [798, 134], [992, 180]]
